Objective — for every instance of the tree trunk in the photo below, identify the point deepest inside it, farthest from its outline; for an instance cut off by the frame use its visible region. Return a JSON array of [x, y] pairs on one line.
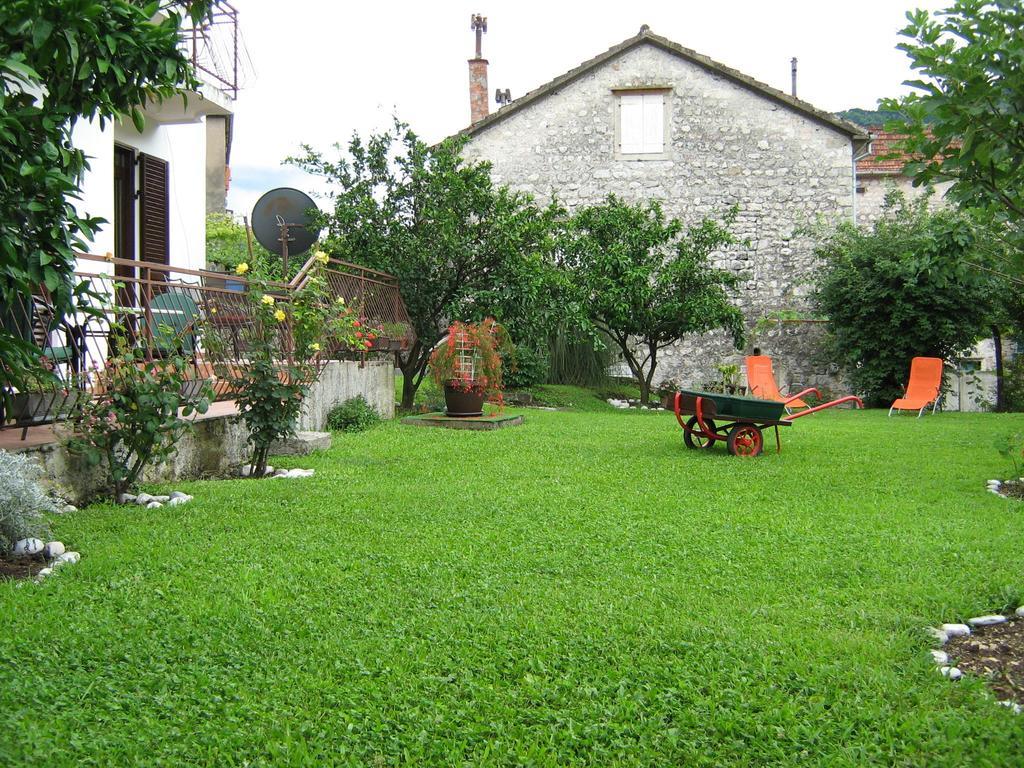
[[645, 386], [410, 367], [997, 341]]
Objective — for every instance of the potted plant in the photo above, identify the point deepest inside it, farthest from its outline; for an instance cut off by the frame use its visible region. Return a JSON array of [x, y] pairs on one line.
[[467, 365]]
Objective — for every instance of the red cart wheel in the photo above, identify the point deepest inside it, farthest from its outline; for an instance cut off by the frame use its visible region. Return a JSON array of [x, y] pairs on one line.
[[745, 440], [694, 437]]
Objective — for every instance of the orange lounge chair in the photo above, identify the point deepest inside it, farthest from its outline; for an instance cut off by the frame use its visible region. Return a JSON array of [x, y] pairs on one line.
[[924, 386], [761, 383]]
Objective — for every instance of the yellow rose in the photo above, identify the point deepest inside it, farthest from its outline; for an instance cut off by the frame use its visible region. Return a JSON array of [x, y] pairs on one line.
[[279, 315], [213, 310], [341, 299], [320, 256], [268, 300], [242, 268], [315, 347]]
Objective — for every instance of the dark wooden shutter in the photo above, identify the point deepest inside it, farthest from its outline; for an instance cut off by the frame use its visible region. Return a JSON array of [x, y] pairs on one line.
[[154, 216]]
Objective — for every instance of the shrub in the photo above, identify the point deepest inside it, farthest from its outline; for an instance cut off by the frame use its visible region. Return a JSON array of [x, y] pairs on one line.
[[355, 415], [529, 367], [1013, 385], [908, 287], [134, 420], [23, 502]]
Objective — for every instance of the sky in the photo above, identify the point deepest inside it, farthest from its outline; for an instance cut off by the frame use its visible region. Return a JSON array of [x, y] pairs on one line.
[[315, 71]]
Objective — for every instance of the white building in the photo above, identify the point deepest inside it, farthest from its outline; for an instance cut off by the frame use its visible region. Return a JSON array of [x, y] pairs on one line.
[[155, 187]]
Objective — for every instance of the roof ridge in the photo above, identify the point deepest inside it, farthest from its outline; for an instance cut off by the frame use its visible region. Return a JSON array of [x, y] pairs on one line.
[[645, 34]]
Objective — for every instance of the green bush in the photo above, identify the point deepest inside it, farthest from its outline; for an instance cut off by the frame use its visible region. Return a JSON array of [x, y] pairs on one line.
[[1013, 385], [355, 415], [529, 368], [908, 287]]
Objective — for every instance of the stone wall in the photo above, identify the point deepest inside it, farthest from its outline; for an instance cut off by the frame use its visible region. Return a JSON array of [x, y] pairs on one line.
[[214, 448], [342, 380], [871, 192], [726, 145]]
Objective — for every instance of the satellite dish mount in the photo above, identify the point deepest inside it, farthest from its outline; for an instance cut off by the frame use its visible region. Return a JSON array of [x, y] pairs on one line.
[[282, 223]]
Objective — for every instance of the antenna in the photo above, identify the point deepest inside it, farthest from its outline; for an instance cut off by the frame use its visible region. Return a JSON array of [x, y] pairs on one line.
[[793, 65], [503, 97], [478, 24]]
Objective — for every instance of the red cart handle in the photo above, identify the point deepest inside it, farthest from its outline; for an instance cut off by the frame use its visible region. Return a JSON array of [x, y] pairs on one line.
[[823, 406]]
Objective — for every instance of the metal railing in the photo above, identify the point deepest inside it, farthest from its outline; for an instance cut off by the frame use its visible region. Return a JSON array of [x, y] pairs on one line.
[[376, 296], [212, 46], [161, 312]]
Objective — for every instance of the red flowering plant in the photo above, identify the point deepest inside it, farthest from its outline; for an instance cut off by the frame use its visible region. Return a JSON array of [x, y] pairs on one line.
[[470, 358], [349, 330]]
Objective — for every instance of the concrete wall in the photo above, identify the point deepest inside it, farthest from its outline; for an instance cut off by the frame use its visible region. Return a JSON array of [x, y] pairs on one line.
[[343, 380], [726, 144], [216, 163]]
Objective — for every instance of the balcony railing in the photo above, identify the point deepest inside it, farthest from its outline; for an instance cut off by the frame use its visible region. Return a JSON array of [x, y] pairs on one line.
[[212, 47], [206, 318]]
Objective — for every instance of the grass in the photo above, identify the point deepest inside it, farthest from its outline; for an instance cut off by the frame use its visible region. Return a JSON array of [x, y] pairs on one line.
[[578, 590]]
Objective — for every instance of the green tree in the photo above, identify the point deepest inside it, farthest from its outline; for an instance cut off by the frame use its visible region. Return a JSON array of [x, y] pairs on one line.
[[461, 248], [646, 283], [965, 120], [61, 61], [905, 288]]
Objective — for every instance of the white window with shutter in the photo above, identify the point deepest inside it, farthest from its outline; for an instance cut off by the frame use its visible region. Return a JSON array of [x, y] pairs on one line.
[[641, 125]]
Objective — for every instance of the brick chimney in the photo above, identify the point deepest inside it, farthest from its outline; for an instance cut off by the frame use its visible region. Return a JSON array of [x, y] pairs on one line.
[[479, 104]]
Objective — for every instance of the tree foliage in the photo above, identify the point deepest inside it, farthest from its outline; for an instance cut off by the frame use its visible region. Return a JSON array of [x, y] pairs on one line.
[[965, 120], [646, 283], [61, 61], [904, 289], [461, 248]]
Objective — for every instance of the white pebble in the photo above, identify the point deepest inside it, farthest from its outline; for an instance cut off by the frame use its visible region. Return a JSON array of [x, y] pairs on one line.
[[53, 549], [68, 558], [162, 499], [987, 621], [996, 483], [939, 635], [951, 672], [179, 495], [995, 491], [70, 508], [154, 505], [143, 499], [26, 547], [940, 657], [1020, 611], [43, 573], [126, 498], [956, 630], [1012, 705], [177, 501]]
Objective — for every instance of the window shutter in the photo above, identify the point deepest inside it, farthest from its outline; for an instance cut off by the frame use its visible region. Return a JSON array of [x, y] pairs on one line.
[[154, 207], [654, 123], [631, 123]]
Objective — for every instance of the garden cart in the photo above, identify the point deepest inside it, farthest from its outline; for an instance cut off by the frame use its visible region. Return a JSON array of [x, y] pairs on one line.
[[738, 421]]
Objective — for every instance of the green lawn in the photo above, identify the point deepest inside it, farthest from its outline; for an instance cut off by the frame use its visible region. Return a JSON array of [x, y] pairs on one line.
[[578, 590]]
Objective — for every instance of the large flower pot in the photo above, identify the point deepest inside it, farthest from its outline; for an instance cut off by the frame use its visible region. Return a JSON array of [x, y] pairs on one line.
[[458, 402]]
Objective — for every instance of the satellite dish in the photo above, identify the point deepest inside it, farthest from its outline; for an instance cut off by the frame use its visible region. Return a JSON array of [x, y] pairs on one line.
[[284, 212]]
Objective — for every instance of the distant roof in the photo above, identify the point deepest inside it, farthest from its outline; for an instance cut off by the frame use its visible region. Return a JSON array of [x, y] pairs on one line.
[[882, 143], [645, 36]]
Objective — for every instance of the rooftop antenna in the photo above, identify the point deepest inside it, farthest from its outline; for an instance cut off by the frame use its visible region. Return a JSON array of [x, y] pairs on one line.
[[793, 65], [478, 24]]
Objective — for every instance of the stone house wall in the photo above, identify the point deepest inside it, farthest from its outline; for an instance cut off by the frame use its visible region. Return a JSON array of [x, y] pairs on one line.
[[726, 144], [872, 189]]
